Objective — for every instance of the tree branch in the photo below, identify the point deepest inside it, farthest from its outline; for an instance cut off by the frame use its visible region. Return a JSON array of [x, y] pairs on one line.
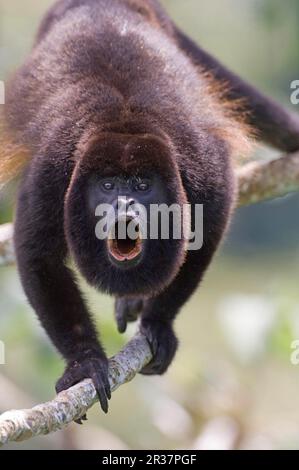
[[268, 180], [19, 425], [257, 182]]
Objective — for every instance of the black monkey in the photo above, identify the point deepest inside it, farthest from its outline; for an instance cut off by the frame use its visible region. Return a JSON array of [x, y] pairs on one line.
[[115, 101]]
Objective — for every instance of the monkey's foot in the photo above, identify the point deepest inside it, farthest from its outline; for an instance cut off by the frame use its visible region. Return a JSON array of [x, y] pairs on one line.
[[127, 310], [94, 368], [163, 344]]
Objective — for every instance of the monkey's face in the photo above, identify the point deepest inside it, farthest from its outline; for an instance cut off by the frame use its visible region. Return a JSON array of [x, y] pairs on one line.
[[125, 206], [120, 224]]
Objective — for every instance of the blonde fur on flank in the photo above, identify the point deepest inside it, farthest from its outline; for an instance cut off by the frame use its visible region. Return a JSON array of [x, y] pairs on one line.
[[13, 156]]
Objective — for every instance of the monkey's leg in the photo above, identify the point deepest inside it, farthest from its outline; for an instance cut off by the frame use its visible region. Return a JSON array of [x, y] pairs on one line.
[[49, 284], [275, 124], [127, 310]]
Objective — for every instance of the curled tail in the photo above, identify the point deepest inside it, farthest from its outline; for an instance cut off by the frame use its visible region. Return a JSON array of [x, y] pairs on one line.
[[13, 156]]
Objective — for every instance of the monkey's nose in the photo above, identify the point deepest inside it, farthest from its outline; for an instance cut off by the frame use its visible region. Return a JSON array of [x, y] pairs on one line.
[[125, 202], [125, 207]]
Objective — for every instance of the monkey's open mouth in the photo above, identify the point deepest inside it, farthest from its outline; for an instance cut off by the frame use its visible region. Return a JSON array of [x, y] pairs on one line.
[[121, 246]]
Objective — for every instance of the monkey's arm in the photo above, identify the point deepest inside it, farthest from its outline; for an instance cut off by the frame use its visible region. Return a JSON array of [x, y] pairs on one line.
[[49, 284], [160, 312], [275, 124]]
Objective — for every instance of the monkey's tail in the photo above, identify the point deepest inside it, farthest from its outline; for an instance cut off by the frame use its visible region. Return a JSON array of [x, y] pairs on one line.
[[13, 156]]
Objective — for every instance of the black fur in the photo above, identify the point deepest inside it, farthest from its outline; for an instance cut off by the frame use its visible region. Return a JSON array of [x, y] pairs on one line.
[[109, 90], [272, 123]]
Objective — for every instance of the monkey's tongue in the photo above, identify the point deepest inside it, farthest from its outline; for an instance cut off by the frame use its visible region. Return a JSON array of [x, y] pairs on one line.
[[124, 250]]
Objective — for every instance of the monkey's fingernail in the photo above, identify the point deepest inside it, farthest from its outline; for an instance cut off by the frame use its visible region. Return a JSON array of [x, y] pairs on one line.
[[122, 326]]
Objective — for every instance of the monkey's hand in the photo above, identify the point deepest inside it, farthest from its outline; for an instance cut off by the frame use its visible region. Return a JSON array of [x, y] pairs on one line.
[[163, 344], [127, 310], [92, 366]]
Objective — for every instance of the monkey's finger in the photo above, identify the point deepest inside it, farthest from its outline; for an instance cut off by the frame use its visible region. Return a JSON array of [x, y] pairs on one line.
[[79, 421], [135, 309], [122, 324], [63, 384], [121, 313], [132, 316], [107, 385], [101, 392], [108, 390], [102, 398]]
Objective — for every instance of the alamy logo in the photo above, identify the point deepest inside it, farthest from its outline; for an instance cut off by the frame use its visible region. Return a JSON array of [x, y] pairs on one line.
[[295, 354], [295, 93], [134, 221], [2, 353], [2, 92]]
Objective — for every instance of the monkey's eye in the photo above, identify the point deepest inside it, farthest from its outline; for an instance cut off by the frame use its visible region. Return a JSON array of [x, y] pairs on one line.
[[108, 185], [142, 186]]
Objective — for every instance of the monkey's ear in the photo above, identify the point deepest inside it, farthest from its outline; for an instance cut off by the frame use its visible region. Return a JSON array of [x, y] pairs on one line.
[[13, 157], [273, 123]]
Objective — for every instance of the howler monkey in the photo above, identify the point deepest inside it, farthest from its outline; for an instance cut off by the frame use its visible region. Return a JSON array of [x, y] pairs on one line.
[[115, 101]]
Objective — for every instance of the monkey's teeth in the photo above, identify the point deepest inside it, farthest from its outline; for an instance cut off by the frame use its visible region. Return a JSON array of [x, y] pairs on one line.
[[125, 252]]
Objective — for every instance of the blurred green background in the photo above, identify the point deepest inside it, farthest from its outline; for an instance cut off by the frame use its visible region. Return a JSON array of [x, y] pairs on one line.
[[232, 384]]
